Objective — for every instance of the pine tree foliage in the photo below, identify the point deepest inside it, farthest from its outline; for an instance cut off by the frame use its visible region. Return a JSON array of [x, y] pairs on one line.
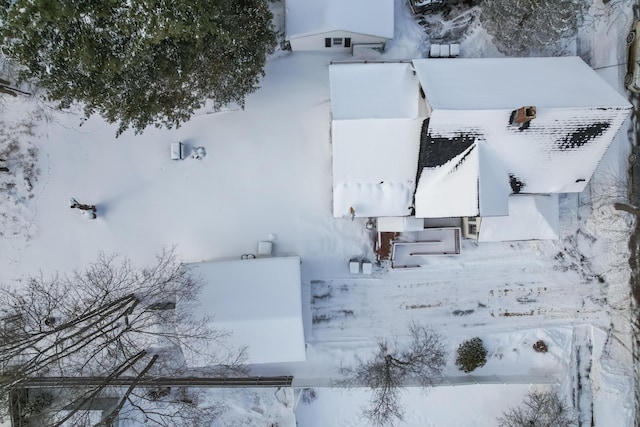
[[471, 355], [539, 409], [140, 62], [522, 27]]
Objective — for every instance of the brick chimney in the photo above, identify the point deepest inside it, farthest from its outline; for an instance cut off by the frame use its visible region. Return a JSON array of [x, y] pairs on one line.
[[522, 115]]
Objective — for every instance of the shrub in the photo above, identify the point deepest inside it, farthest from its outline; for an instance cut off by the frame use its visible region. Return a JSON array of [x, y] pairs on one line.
[[471, 355], [541, 347]]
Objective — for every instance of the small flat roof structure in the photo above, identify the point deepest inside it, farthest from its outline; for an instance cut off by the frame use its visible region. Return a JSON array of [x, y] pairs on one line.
[[399, 224], [259, 301], [531, 217], [428, 242]]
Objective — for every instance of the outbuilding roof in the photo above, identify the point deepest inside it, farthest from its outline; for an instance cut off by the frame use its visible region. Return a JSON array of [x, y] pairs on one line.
[[259, 302], [370, 17]]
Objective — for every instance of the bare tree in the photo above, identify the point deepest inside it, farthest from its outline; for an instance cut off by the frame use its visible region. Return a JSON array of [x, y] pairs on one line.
[[105, 323], [421, 360], [539, 409], [531, 26]]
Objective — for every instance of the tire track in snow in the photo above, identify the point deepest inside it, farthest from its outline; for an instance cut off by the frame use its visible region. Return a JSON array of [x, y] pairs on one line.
[[492, 295]]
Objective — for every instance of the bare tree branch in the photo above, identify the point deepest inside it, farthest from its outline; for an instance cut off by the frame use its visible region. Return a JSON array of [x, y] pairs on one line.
[[539, 409], [101, 322], [422, 360], [108, 419], [117, 372]]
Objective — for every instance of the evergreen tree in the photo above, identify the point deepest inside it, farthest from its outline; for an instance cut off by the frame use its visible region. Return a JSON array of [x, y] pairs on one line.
[[471, 355], [526, 27], [140, 62]]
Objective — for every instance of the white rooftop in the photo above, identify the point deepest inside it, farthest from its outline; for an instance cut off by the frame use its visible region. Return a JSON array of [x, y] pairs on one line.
[[373, 91], [371, 17], [510, 83], [474, 183], [558, 153], [531, 217], [374, 166], [377, 118], [377, 112], [259, 301]]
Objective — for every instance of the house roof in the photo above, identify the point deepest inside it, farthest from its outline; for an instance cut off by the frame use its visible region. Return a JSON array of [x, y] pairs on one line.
[[259, 301], [473, 182], [531, 217], [558, 153], [374, 166], [371, 17], [470, 157], [510, 83], [577, 117], [373, 91], [375, 138]]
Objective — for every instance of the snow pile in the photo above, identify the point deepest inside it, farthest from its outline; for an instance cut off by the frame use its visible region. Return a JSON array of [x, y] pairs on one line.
[[19, 168]]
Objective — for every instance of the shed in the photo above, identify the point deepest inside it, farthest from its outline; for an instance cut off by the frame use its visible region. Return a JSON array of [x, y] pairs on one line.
[[259, 302], [337, 24]]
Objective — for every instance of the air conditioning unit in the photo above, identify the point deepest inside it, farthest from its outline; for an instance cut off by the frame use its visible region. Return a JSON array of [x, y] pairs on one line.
[[177, 151]]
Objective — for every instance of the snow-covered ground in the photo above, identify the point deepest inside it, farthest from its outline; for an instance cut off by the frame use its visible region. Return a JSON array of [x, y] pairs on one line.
[[267, 176]]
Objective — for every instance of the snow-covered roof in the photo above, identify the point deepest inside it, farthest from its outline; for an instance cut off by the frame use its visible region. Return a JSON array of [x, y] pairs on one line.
[[472, 183], [259, 301], [510, 83], [557, 153], [374, 166], [577, 117], [377, 118], [476, 158], [531, 217], [370, 17], [373, 91]]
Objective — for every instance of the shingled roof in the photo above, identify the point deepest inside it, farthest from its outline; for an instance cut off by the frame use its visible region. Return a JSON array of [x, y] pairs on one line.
[[473, 100]]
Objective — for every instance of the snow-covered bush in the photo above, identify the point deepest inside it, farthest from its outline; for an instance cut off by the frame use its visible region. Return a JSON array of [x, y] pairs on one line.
[[471, 355]]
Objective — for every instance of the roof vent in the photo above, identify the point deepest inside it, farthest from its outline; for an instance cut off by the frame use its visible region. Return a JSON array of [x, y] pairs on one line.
[[522, 116]]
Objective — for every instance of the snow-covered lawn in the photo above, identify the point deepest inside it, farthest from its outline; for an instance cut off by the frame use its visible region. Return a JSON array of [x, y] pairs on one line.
[[267, 176]]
